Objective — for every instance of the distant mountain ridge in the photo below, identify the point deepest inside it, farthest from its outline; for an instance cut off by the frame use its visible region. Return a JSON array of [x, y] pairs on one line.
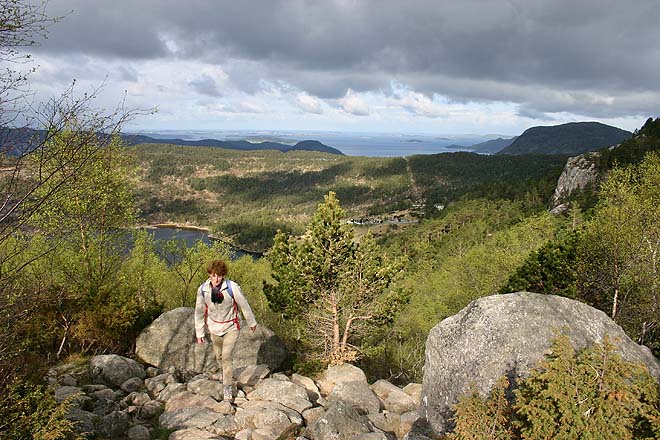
[[570, 139], [20, 139], [306, 145]]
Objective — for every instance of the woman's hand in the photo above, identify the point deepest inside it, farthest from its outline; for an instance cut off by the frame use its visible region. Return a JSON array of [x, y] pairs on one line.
[[200, 341]]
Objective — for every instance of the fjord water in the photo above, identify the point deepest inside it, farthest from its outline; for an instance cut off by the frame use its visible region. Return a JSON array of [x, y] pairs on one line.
[[349, 143]]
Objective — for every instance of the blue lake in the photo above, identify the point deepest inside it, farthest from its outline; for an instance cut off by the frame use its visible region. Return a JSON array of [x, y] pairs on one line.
[[190, 237]]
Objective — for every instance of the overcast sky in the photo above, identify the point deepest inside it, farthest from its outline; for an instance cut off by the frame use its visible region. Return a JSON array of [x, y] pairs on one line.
[[407, 66]]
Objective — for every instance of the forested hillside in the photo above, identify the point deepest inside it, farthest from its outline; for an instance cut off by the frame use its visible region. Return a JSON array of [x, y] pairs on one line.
[[571, 139], [249, 195]]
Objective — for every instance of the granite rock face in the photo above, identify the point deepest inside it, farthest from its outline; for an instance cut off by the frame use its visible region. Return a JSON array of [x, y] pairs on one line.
[[580, 172], [508, 334], [170, 342]]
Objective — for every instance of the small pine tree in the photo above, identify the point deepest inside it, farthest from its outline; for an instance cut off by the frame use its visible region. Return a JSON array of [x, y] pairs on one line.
[[484, 419], [332, 287]]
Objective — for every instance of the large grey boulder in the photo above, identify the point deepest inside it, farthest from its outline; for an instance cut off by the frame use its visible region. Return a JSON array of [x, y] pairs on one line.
[[170, 342], [508, 334], [114, 370]]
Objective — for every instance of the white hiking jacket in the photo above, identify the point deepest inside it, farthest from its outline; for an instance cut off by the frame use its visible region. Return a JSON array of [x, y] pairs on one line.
[[221, 318]]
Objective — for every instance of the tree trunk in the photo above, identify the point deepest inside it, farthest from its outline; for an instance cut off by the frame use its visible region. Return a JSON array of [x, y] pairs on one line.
[[347, 329], [336, 345]]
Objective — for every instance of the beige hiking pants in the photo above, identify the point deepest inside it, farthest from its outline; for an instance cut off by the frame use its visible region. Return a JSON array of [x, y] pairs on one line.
[[223, 346]]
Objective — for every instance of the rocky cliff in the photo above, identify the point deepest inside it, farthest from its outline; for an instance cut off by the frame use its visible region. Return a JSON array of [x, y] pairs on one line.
[[580, 173]]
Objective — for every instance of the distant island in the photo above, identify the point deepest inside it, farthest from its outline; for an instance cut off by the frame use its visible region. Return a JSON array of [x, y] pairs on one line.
[[306, 145], [18, 139]]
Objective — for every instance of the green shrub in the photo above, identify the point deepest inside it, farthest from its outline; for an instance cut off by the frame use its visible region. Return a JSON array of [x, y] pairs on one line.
[[550, 270], [28, 411], [591, 394]]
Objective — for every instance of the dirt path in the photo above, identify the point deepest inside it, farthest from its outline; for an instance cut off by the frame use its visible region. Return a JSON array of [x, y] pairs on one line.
[[416, 192]]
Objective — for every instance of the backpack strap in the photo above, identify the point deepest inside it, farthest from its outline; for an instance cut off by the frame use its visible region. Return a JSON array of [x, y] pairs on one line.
[[235, 319], [228, 281]]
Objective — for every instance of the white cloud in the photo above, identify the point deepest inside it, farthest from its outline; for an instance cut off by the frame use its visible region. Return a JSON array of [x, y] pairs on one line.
[[419, 104], [354, 104], [309, 103]]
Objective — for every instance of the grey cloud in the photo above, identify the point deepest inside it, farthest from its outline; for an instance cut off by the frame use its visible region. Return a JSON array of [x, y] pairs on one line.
[[503, 50], [205, 85], [128, 73], [118, 29]]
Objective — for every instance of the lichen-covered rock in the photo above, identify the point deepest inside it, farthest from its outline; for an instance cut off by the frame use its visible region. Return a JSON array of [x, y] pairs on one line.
[[313, 392], [84, 421], [132, 384], [311, 415], [151, 410], [286, 393], [186, 399], [194, 434], [183, 418], [414, 390], [337, 374], [206, 387], [114, 425], [114, 370], [340, 422], [251, 374], [394, 398], [67, 392], [357, 394], [386, 421], [508, 334]]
